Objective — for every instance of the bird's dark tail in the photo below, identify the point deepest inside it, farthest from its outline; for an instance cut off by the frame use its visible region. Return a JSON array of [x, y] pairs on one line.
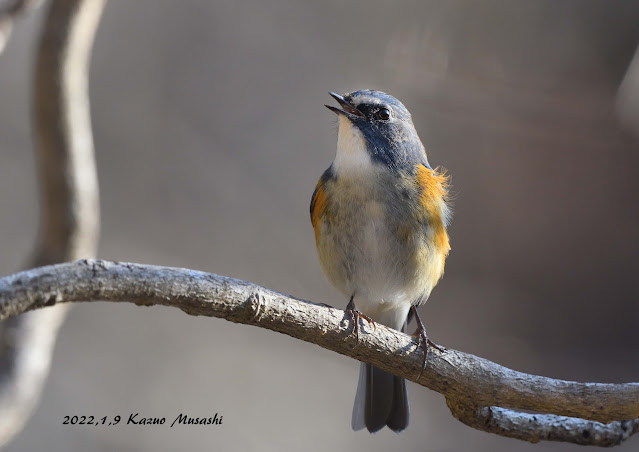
[[381, 400]]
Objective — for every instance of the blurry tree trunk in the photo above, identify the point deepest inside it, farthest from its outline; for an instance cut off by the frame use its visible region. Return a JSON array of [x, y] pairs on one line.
[[69, 209]]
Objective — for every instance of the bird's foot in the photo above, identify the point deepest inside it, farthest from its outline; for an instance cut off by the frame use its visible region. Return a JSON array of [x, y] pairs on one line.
[[356, 315], [423, 340]]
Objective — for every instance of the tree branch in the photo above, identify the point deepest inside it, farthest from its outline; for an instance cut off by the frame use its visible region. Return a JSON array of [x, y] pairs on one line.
[[69, 214], [547, 427], [475, 388]]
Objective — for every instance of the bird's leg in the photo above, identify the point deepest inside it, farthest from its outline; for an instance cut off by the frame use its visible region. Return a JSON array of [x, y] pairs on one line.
[[422, 338], [350, 308]]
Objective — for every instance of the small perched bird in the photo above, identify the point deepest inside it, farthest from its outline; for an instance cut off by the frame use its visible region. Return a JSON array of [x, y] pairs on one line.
[[380, 213]]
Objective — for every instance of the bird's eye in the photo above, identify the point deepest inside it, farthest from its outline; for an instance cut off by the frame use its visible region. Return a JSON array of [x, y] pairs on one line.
[[383, 114]]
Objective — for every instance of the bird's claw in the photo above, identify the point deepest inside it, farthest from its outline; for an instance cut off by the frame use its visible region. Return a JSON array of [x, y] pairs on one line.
[[356, 315], [423, 340]]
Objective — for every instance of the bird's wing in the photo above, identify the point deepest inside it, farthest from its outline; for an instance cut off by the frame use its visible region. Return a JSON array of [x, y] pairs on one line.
[[319, 201]]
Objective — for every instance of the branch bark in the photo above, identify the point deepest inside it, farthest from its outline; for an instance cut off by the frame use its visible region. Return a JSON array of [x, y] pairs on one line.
[[547, 427], [69, 214], [480, 393]]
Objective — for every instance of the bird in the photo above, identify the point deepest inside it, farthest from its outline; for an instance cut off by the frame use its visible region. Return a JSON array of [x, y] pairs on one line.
[[380, 214]]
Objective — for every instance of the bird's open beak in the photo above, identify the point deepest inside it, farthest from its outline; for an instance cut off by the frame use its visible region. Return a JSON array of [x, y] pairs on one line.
[[348, 108]]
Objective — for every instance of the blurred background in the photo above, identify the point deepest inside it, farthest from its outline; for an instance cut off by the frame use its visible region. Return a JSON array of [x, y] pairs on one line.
[[210, 135]]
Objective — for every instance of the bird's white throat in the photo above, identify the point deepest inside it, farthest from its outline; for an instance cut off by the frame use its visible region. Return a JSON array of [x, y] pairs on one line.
[[352, 156]]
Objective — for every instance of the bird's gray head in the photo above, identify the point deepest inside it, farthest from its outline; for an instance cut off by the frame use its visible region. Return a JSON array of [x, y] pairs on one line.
[[376, 127]]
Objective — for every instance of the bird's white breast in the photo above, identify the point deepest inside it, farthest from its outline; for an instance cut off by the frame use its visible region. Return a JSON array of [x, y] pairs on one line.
[[352, 158]]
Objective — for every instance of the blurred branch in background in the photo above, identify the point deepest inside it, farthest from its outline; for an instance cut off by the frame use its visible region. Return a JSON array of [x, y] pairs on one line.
[[474, 388], [628, 96], [69, 214], [11, 10]]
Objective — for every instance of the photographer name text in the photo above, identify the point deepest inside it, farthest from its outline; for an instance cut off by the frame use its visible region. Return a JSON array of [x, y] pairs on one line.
[[139, 419]]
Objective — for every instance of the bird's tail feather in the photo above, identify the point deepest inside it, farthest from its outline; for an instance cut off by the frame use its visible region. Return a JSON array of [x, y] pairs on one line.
[[381, 400]]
